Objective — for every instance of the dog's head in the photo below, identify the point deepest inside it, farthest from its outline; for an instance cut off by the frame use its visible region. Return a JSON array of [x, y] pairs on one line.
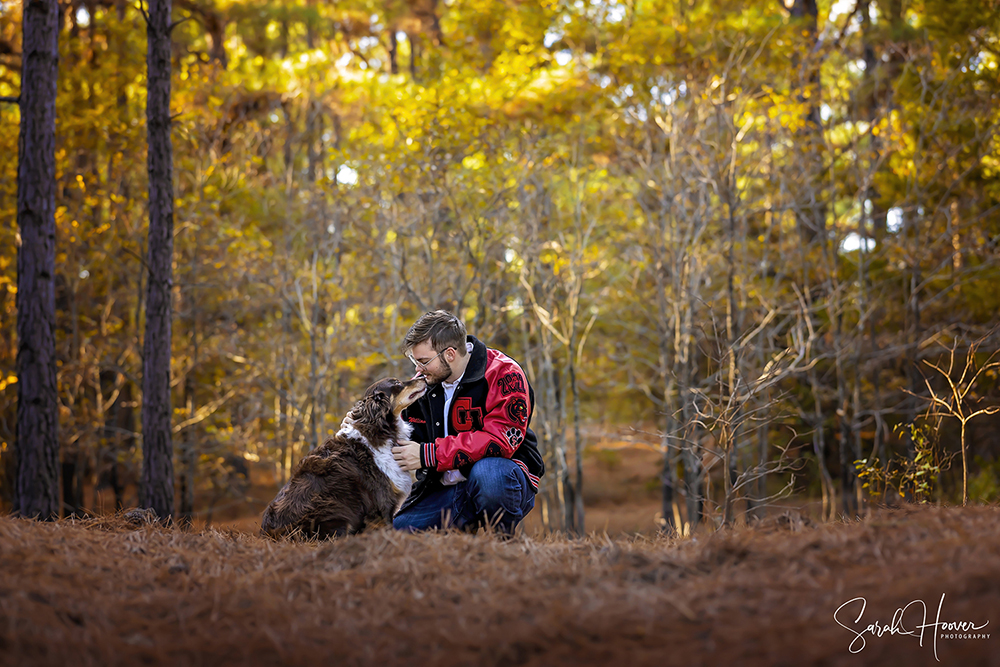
[[388, 395]]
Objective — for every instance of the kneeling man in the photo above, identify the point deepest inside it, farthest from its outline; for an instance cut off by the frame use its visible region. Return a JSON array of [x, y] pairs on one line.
[[475, 458]]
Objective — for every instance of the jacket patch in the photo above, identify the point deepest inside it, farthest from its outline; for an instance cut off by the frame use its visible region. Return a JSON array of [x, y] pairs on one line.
[[512, 383], [466, 418], [514, 436], [517, 410], [461, 459], [493, 449]]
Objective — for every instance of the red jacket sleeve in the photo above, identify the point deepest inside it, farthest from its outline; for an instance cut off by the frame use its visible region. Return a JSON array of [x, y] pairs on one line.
[[505, 421]]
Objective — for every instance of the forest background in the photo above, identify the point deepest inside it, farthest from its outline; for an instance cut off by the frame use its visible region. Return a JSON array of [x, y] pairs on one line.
[[763, 235]]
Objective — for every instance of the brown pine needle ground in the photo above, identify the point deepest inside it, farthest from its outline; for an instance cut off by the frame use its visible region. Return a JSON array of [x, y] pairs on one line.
[[104, 592]]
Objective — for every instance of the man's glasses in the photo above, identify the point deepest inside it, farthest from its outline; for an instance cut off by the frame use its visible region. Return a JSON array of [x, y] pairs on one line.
[[424, 364]]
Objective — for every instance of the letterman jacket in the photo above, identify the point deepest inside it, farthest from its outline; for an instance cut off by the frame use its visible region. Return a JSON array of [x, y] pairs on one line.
[[490, 413]]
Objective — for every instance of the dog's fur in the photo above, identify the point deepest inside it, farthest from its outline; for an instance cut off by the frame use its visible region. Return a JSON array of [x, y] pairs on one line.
[[352, 480]]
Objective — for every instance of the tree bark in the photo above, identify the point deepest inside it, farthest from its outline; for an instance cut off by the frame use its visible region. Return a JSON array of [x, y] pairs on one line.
[[188, 455], [694, 473], [732, 429], [847, 472], [819, 448], [156, 489], [579, 527], [37, 485], [672, 523], [910, 228], [393, 51]]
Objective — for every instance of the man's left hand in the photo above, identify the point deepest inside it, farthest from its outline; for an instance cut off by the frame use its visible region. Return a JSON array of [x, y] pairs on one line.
[[407, 455]]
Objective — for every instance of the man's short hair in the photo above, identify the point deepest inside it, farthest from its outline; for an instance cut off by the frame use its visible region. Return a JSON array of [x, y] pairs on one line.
[[441, 328]]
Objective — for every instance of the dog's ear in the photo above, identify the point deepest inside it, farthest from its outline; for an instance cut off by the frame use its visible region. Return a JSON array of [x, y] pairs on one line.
[[372, 407], [389, 386]]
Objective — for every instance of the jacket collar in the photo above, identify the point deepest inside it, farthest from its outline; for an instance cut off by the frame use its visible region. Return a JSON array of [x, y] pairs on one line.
[[476, 370]]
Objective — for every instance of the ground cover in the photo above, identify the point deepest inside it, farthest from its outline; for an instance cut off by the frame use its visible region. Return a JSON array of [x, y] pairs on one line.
[[107, 591]]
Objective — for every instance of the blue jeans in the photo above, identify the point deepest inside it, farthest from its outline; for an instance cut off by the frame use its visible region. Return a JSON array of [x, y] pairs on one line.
[[496, 493]]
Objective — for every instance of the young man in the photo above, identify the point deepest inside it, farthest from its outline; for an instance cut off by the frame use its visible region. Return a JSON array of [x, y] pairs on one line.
[[475, 458]]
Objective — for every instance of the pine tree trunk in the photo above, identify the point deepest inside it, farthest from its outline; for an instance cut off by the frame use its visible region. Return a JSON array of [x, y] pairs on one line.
[[37, 486], [156, 489]]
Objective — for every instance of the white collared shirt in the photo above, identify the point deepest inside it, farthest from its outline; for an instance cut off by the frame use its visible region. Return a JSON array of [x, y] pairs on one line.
[[449, 393], [452, 476]]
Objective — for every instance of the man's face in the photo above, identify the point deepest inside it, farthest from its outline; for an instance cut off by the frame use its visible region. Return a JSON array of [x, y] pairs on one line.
[[430, 364]]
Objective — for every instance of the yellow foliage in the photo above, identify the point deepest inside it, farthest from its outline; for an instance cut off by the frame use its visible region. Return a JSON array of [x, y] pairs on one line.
[[474, 161]]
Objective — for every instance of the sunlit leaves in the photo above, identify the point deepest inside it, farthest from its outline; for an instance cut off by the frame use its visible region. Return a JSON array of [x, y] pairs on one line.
[[527, 164]]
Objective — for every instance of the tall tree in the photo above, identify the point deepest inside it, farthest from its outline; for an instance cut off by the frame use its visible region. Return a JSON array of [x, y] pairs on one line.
[[37, 489], [156, 490]]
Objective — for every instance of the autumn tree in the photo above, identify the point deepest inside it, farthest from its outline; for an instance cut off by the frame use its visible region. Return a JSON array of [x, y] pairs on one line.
[[37, 493], [157, 488]]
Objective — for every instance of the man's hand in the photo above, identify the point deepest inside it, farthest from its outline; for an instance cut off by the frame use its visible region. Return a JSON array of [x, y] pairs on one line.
[[407, 455]]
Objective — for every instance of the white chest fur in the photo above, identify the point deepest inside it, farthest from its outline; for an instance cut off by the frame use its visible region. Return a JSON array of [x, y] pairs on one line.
[[400, 480]]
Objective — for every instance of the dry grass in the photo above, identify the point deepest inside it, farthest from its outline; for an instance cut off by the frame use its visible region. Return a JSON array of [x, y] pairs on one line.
[[104, 592]]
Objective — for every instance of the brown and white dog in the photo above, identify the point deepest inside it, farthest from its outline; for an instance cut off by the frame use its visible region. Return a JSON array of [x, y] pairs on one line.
[[352, 478]]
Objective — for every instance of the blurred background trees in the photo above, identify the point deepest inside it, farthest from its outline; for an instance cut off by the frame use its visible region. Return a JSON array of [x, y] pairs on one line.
[[738, 227]]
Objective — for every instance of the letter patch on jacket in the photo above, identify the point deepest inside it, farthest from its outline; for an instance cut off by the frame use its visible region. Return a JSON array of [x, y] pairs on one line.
[[512, 383], [466, 417]]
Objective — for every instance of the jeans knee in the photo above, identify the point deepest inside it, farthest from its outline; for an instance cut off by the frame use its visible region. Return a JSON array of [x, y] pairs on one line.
[[497, 484]]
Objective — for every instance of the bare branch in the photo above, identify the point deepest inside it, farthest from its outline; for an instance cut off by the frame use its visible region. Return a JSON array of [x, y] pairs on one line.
[[204, 412], [142, 10]]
